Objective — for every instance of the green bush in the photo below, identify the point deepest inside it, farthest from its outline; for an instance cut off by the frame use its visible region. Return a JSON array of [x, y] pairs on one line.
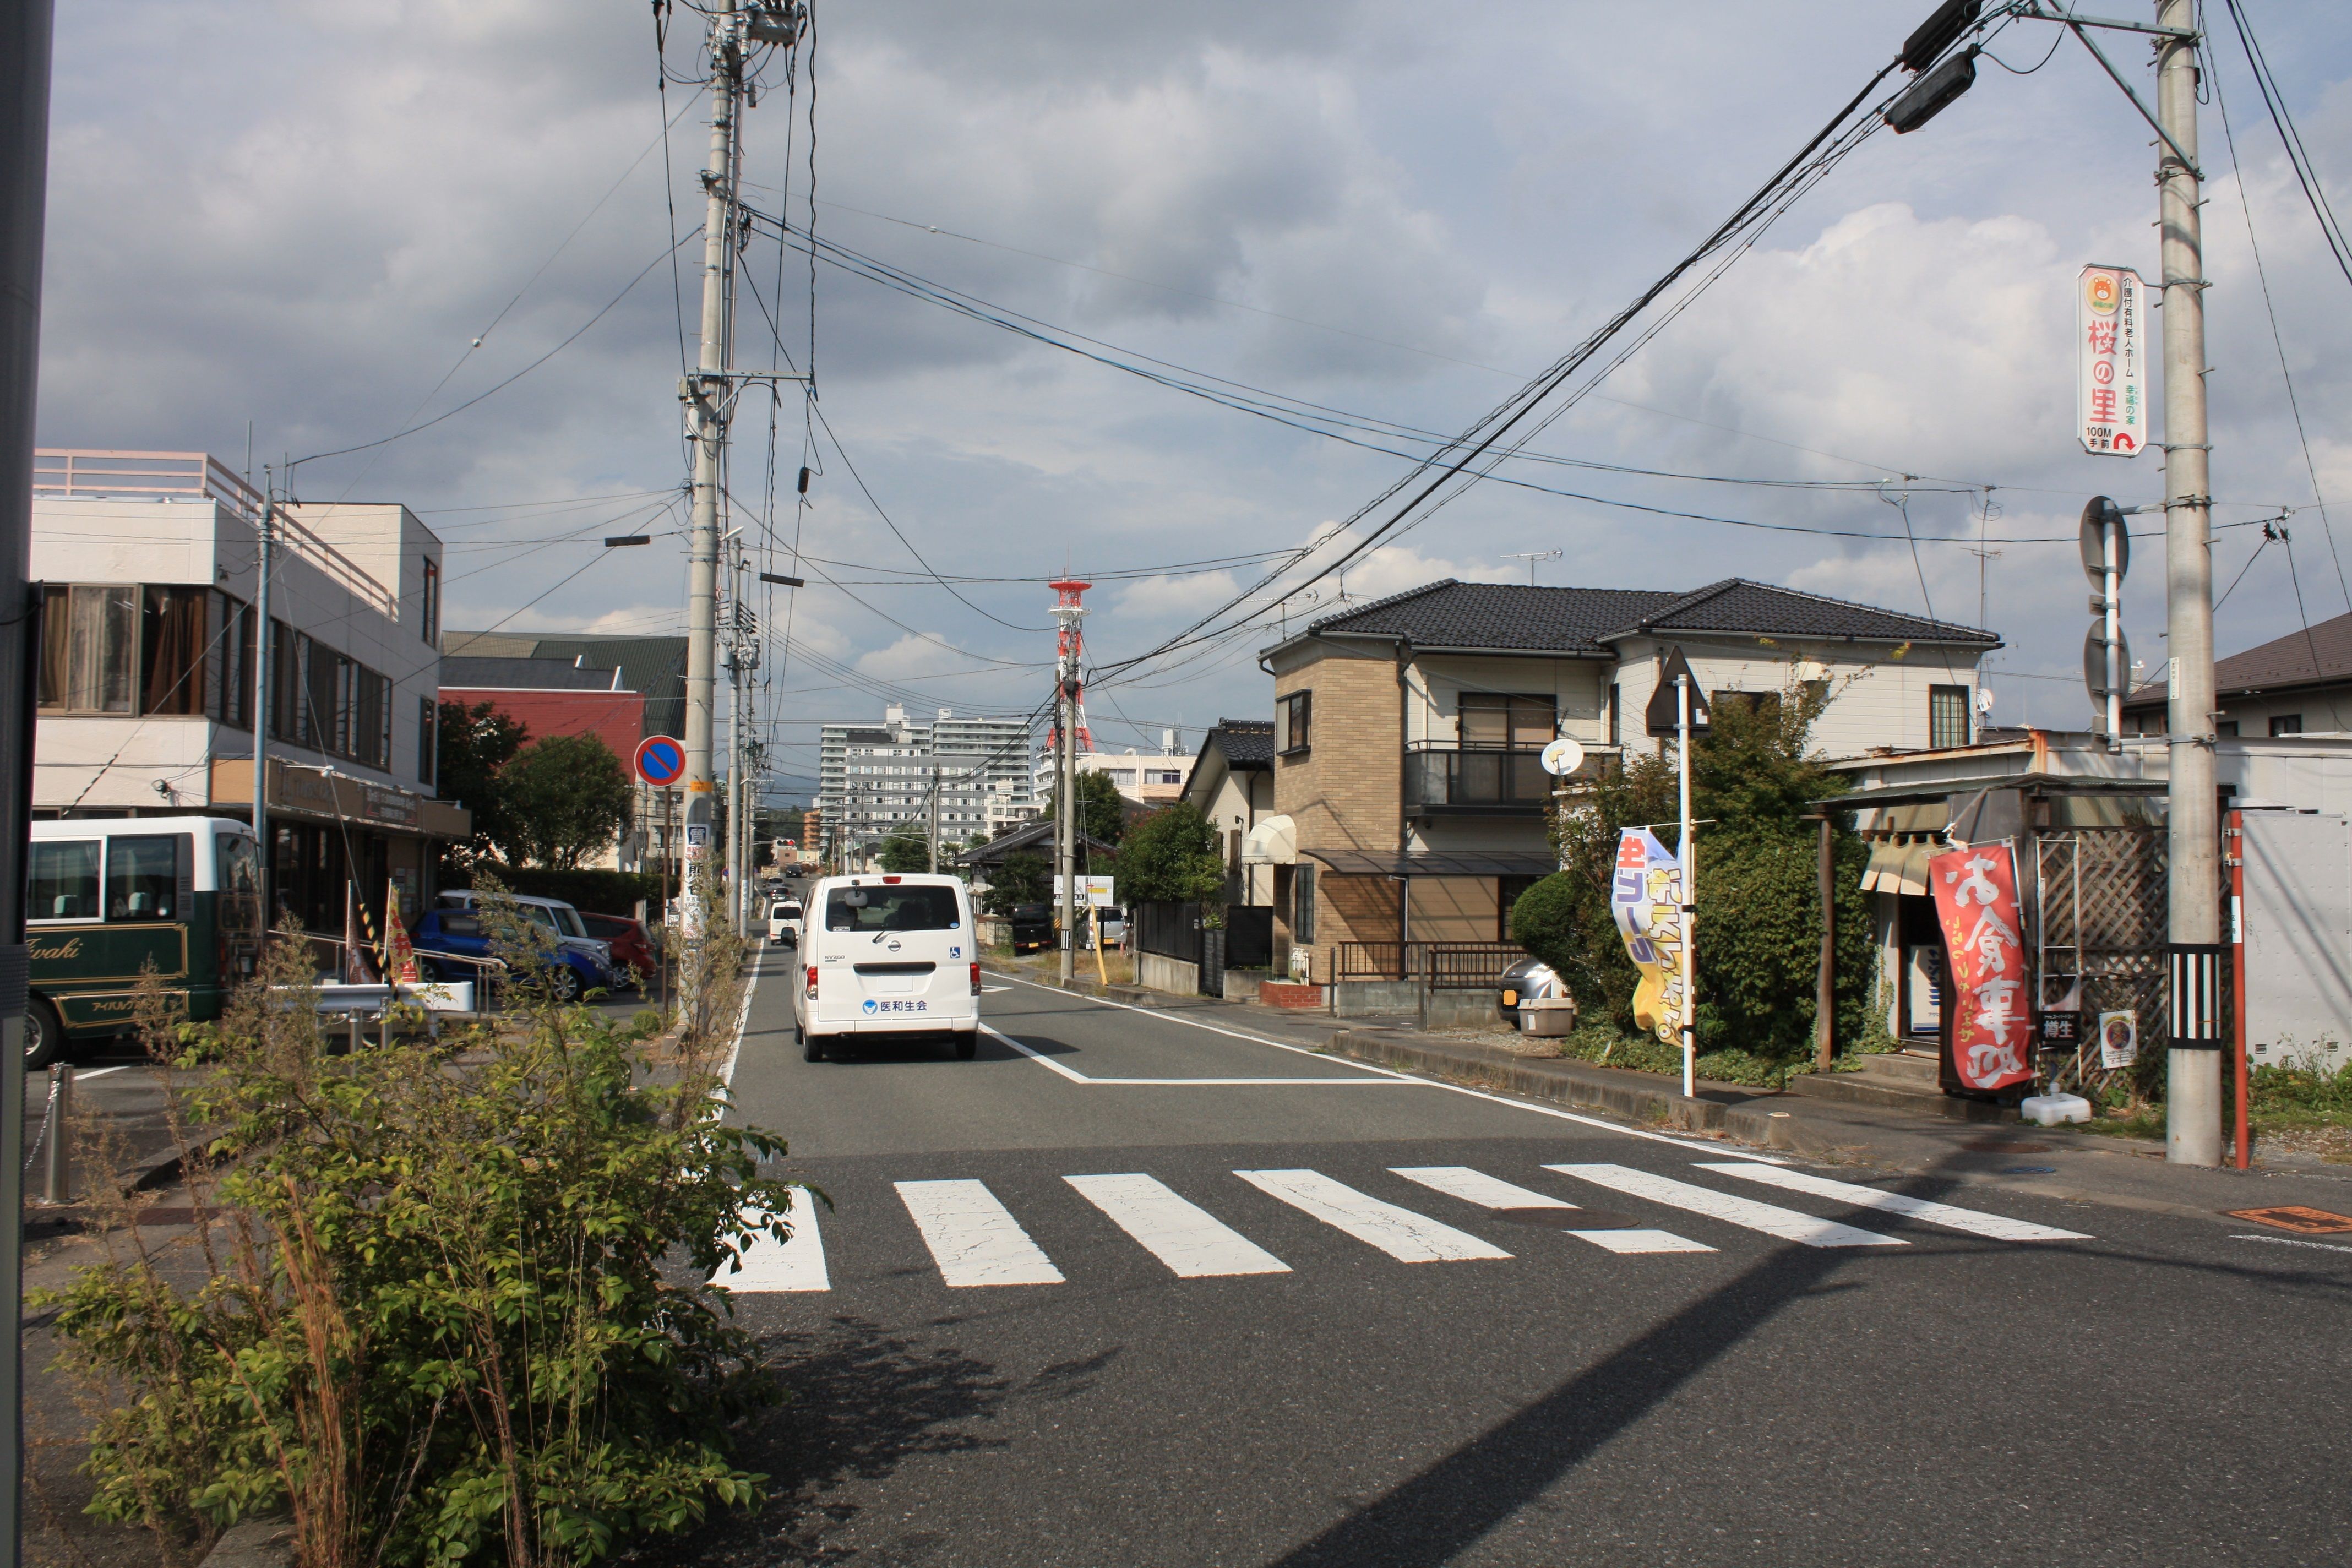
[[443, 1311], [1170, 856]]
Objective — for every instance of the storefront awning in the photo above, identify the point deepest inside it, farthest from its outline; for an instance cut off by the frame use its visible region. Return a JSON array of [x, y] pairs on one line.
[[1431, 863], [1899, 866]]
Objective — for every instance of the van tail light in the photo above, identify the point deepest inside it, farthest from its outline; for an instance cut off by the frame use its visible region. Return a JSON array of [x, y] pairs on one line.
[[975, 979], [812, 979]]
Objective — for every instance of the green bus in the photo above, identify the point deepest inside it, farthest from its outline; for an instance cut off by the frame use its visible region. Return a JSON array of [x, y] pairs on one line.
[[109, 895]]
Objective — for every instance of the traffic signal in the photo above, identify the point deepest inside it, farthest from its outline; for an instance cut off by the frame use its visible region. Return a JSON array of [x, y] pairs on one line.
[[1926, 96], [1936, 34]]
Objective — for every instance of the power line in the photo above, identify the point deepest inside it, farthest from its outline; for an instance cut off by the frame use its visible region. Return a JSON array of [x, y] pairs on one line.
[[2305, 175]]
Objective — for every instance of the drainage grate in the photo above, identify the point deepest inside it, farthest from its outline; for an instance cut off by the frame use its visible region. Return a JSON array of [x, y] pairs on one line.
[[2297, 1219]]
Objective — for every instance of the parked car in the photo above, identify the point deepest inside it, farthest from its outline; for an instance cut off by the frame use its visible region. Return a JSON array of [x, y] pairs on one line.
[[1032, 926], [453, 943], [784, 921], [570, 932], [1111, 922], [890, 956], [631, 945]]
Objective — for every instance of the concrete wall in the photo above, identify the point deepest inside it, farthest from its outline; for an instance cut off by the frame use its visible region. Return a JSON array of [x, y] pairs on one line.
[[1156, 972]]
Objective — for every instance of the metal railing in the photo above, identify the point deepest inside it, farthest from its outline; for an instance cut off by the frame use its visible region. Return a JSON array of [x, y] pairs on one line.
[[1440, 966], [1444, 777]]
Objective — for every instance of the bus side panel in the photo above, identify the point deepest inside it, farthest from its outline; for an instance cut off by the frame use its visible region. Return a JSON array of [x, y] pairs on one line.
[[91, 971]]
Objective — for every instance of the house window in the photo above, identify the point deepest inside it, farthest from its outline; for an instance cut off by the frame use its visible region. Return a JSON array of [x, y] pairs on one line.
[[1302, 905], [1492, 720], [89, 648], [2286, 724], [427, 733], [1292, 716], [2225, 726], [1948, 717], [429, 599], [1616, 707], [172, 673]]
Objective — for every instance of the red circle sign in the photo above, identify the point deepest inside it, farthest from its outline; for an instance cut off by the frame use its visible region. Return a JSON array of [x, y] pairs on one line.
[[661, 761]]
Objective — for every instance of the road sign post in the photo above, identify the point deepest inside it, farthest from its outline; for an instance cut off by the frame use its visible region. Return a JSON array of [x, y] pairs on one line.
[[2106, 657], [1679, 708]]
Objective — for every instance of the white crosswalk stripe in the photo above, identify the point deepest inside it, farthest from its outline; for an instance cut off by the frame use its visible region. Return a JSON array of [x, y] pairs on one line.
[[1999, 1227], [1636, 1241], [973, 1238], [1404, 1235], [1788, 1225], [1180, 1234], [1479, 1187], [772, 1266]]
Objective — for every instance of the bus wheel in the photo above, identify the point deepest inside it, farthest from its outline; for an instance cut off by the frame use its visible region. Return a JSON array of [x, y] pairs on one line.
[[44, 1034]]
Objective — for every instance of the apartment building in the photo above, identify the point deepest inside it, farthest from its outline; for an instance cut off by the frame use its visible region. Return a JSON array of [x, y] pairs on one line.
[[1409, 800], [149, 639], [877, 779]]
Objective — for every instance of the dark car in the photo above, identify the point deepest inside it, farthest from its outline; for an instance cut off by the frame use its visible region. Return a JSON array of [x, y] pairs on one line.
[[632, 949], [451, 944], [1033, 926]]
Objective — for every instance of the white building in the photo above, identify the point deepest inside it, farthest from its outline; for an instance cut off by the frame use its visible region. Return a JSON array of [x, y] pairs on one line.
[[874, 780], [146, 696], [1147, 778]]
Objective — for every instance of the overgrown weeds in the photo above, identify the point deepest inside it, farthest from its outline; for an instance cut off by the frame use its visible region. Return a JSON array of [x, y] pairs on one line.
[[442, 1302]]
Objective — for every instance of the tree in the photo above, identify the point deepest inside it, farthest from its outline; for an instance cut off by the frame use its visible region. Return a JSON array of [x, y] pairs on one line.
[[905, 850], [1102, 810], [1759, 935], [471, 745], [566, 798], [1171, 856], [1020, 880]]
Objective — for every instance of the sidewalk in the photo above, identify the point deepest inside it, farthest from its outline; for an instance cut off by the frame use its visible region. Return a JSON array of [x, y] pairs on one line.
[[2053, 1162]]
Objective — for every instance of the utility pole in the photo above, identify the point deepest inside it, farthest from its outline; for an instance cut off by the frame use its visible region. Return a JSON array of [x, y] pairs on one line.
[[24, 33], [264, 565], [2193, 1100], [1069, 645], [935, 801], [708, 403], [1689, 854]]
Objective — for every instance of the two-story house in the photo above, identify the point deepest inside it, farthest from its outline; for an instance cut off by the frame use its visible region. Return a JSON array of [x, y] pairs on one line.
[[1409, 801], [1231, 785], [150, 641]]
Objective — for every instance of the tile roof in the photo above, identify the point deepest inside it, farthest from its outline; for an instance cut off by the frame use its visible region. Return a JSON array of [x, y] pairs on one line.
[[1246, 742], [1507, 616], [2283, 661], [475, 671]]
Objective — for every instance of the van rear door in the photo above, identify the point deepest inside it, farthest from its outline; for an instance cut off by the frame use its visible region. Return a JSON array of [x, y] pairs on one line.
[[895, 955]]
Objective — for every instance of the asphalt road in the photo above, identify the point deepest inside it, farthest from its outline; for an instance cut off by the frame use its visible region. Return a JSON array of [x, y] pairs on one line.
[[1261, 1345]]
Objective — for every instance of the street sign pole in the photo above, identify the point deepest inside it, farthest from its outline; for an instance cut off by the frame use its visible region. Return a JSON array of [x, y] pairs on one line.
[[1690, 884]]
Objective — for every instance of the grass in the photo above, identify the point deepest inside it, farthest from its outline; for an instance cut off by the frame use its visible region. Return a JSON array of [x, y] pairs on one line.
[[1601, 1043], [2304, 1102]]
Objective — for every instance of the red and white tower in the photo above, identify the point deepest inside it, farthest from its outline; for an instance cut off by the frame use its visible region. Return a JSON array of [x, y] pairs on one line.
[[1069, 645]]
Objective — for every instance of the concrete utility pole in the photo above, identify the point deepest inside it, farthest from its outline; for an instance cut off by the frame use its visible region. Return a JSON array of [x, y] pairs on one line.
[[24, 202], [1067, 829], [935, 803], [267, 534], [706, 396], [2193, 1100]]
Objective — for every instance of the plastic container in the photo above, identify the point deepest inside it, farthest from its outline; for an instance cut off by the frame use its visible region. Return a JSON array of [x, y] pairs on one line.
[[2050, 1110], [1547, 1017]]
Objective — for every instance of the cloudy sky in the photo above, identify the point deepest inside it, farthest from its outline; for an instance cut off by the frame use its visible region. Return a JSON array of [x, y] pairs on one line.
[[301, 216]]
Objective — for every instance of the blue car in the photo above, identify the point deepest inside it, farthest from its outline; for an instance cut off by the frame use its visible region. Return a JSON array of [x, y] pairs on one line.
[[446, 937]]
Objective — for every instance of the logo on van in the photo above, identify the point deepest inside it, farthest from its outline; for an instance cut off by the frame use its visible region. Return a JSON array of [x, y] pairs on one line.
[[892, 944], [955, 952], [870, 1003]]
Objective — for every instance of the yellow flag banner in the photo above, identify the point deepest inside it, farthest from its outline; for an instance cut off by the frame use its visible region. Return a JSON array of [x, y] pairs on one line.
[[1646, 897]]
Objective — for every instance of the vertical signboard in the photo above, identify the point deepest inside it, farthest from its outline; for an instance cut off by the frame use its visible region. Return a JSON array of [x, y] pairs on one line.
[[1646, 897], [1985, 994], [2110, 352]]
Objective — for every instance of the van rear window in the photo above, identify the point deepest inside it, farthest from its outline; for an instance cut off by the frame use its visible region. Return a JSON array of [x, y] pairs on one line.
[[891, 909]]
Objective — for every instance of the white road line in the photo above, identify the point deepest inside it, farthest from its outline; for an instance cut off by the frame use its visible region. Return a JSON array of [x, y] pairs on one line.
[[1478, 1187], [2290, 1241], [1180, 1234], [1076, 1077], [85, 1075], [1556, 1115], [1786, 1224], [973, 1238], [1402, 1234], [769, 1266], [1997, 1226], [742, 1016], [1632, 1241]]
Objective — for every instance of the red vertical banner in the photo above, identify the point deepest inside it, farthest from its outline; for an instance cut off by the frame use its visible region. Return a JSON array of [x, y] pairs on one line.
[[1976, 904]]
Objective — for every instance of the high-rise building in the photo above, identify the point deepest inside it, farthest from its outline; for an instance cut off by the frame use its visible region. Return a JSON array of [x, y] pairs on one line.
[[874, 780]]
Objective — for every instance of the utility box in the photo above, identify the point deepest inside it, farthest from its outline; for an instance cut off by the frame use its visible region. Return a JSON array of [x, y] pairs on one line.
[[2296, 923]]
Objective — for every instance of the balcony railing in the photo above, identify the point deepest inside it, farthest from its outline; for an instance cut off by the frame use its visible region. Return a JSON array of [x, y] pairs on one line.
[[1474, 781]]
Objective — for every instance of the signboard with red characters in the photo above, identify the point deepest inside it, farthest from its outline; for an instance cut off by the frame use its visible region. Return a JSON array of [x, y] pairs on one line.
[[1989, 1016], [2111, 362]]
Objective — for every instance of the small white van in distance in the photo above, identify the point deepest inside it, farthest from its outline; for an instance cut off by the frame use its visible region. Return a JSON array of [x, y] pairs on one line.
[[887, 956]]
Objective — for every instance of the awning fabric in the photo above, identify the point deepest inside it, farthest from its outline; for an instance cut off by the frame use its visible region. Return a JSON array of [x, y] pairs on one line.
[[1899, 866], [1272, 842], [1431, 863]]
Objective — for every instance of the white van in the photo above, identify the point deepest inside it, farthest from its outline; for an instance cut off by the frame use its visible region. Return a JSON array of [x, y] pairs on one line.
[[784, 921], [887, 956]]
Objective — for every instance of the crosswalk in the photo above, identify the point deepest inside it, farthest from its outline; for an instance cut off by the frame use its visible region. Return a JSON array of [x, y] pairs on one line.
[[973, 1239]]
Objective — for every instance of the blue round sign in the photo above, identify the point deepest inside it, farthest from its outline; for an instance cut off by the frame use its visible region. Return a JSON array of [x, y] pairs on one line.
[[661, 761]]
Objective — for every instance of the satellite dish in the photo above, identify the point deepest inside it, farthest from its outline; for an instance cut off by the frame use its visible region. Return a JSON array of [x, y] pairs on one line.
[[1562, 757]]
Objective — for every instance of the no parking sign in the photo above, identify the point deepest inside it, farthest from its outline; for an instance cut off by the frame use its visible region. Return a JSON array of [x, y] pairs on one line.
[[660, 761]]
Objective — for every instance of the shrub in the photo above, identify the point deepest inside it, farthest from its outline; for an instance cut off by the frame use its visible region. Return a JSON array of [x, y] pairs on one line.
[[445, 1311], [1171, 856]]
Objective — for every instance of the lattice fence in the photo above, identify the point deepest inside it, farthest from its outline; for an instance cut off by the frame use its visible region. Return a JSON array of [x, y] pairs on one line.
[[2101, 905]]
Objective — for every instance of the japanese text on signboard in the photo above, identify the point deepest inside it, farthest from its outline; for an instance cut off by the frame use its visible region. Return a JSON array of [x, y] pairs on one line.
[[1645, 894], [1976, 904], [2111, 362]]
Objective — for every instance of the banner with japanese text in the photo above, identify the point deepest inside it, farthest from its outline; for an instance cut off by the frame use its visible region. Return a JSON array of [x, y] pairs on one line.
[[2110, 352], [1985, 991], [1646, 897]]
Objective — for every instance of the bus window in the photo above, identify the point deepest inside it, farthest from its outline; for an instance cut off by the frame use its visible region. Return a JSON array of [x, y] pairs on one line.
[[237, 875], [64, 881], [142, 877]]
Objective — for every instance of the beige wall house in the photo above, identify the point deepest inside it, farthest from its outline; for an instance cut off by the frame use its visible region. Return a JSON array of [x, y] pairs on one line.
[[1409, 801], [1233, 786], [2300, 684]]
